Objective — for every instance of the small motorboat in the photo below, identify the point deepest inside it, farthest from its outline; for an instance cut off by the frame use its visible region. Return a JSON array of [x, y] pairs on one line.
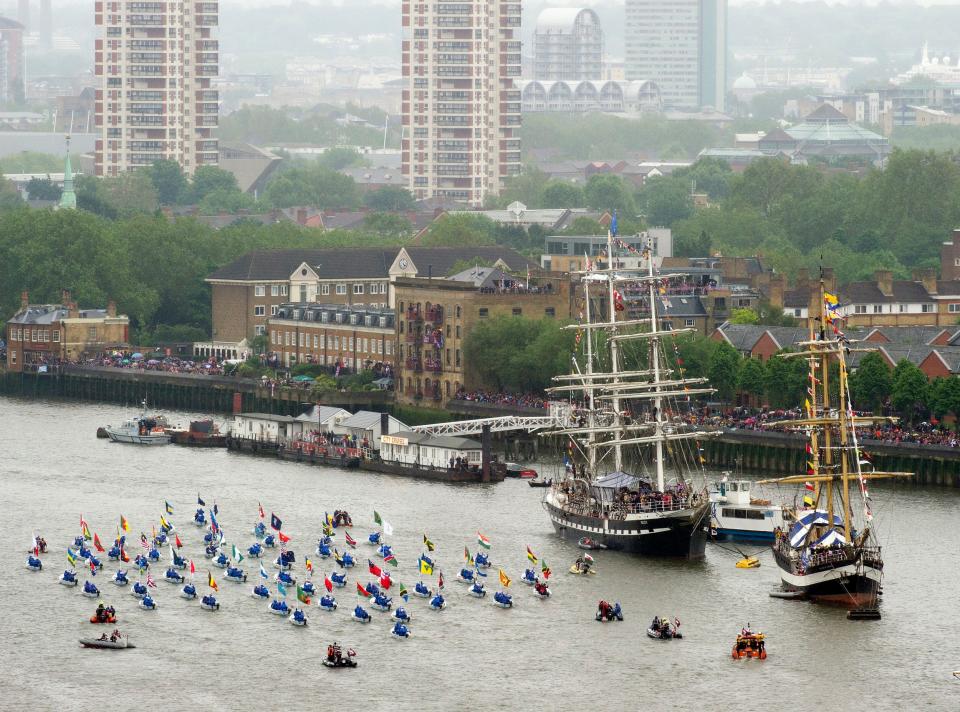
[[210, 551], [77, 542], [347, 561], [360, 615], [749, 645], [260, 530], [235, 574], [114, 553], [189, 592], [34, 563], [590, 544], [255, 551], [161, 538], [529, 577], [285, 578], [260, 591], [120, 578], [541, 590], [327, 603], [141, 562], [338, 580], [107, 643], [374, 539], [173, 576], [143, 431], [104, 615], [147, 603], [372, 588], [661, 629], [179, 562], [503, 599], [400, 614], [381, 602], [465, 576], [269, 542], [336, 659], [583, 566], [298, 617], [748, 562], [279, 607], [540, 483], [83, 552], [438, 603], [209, 538], [400, 630], [606, 612], [68, 578], [514, 469], [222, 561], [384, 551], [138, 590], [94, 563], [200, 518], [209, 603], [285, 561], [90, 590], [482, 561], [477, 590], [153, 555], [308, 588], [324, 551], [421, 590]]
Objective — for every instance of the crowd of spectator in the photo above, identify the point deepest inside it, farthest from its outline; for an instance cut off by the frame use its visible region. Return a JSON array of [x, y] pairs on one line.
[[168, 364], [524, 400]]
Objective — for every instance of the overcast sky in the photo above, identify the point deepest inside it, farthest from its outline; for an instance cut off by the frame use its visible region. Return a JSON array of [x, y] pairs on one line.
[[569, 3]]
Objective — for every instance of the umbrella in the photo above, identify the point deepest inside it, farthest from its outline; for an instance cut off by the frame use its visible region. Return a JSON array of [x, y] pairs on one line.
[[137, 355], [125, 362], [153, 362], [303, 379]]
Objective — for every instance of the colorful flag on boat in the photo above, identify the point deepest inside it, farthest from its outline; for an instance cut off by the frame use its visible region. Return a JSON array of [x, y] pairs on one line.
[[427, 543], [328, 584], [809, 486], [211, 582], [96, 543], [387, 529], [177, 542], [236, 554], [440, 581], [282, 537], [531, 555], [200, 501], [281, 589], [124, 524], [386, 581], [483, 541], [403, 593], [309, 565], [263, 572], [144, 542], [466, 556], [426, 566], [349, 539], [150, 582], [71, 557], [337, 557], [361, 591], [275, 522], [93, 568], [374, 569], [260, 507], [327, 519], [216, 509], [808, 500], [376, 517], [167, 506], [164, 523], [390, 559], [193, 569], [504, 579], [545, 570], [302, 595]]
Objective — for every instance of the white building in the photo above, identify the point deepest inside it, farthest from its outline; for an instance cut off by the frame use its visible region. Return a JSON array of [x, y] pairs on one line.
[[266, 427], [567, 44], [323, 418], [682, 46], [155, 62], [366, 425], [429, 450], [461, 112], [616, 97]]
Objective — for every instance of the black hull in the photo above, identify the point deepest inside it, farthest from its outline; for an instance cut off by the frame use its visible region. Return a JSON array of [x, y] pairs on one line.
[[681, 538], [846, 583]]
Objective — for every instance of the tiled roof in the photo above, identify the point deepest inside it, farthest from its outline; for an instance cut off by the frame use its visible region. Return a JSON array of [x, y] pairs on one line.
[[442, 259], [329, 264], [869, 293]]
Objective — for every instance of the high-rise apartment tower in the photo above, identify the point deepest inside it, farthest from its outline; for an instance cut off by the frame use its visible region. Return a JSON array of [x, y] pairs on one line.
[[567, 45], [155, 62], [682, 46], [461, 112]]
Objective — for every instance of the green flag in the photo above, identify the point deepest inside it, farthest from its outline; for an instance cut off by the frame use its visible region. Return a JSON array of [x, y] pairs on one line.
[[236, 554], [376, 517]]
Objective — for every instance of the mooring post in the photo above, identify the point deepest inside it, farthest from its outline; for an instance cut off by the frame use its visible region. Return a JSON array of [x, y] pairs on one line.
[[486, 441]]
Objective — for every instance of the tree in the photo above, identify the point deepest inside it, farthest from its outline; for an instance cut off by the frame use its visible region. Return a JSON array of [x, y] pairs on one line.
[[169, 181], [910, 391], [461, 229], [585, 226], [387, 224], [210, 179], [786, 381], [752, 380], [129, 193], [338, 158], [724, 371], [744, 316], [605, 191], [667, 200], [516, 353], [390, 197], [9, 195], [945, 397], [558, 194], [43, 189], [228, 201], [871, 383]]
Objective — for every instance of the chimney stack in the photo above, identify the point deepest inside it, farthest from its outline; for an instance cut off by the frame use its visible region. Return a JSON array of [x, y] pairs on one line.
[[884, 278], [65, 297], [928, 277], [24, 299], [803, 278], [111, 308], [775, 289]]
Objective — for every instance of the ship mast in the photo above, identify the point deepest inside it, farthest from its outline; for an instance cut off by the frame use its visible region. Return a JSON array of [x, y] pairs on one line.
[[655, 368], [592, 417], [614, 356]]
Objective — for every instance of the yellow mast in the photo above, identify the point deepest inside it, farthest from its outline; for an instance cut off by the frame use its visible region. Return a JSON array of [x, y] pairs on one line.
[[811, 414], [825, 387]]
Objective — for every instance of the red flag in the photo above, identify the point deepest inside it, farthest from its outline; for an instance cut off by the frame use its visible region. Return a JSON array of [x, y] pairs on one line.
[[282, 537], [193, 569], [123, 555], [36, 551], [374, 569], [93, 567], [349, 539], [97, 544], [386, 581], [176, 540], [362, 591], [260, 507], [440, 581], [327, 583]]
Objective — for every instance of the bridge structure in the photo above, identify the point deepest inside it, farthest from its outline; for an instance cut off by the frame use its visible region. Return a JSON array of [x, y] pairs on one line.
[[557, 415]]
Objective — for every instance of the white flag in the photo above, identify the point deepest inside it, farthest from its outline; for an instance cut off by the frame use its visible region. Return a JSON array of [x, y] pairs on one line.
[[387, 529]]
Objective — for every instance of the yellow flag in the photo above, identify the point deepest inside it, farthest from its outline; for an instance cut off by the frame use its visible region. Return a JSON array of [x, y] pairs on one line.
[[504, 579], [829, 298], [806, 403]]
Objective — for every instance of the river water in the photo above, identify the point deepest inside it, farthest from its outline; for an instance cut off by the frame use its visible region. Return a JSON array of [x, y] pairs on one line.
[[546, 654]]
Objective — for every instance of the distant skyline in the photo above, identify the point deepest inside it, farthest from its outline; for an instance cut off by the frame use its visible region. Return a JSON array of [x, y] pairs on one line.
[[11, 4]]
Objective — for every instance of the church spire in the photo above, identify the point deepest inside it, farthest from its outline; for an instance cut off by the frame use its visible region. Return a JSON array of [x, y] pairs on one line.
[[68, 200]]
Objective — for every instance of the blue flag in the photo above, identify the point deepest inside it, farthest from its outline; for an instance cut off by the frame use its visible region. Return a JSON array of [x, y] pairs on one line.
[[200, 501], [263, 572], [168, 507], [281, 589], [613, 224], [480, 573], [215, 509], [275, 522]]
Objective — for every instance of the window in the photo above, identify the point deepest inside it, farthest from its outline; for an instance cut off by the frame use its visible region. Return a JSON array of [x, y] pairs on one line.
[[550, 312], [689, 322], [303, 293], [458, 311], [458, 331], [273, 337], [388, 347], [743, 303], [325, 289], [259, 290], [903, 308], [448, 357], [274, 290], [92, 333], [859, 308], [13, 357], [483, 313], [796, 312], [458, 357], [926, 308], [517, 311], [878, 309], [341, 289], [286, 338], [383, 287], [259, 330], [358, 289], [273, 309], [323, 341], [260, 310], [953, 308], [283, 290], [314, 342]]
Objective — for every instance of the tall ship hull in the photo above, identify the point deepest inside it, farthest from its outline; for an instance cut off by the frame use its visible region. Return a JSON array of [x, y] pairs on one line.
[[681, 534], [852, 579]]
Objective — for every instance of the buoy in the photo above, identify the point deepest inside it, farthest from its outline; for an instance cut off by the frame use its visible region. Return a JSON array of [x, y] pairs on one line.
[[749, 562]]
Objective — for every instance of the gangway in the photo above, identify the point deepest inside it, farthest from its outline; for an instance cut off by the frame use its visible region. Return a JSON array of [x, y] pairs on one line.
[[558, 416]]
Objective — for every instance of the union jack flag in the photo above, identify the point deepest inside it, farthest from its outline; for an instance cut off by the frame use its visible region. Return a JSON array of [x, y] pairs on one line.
[[150, 582]]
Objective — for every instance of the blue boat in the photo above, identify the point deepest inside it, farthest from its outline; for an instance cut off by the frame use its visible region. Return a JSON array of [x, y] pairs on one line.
[[465, 576], [529, 577], [114, 553], [347, 561], [222, 561], [382, 602], [147, 603], [374, 539], [179, 562], [141, 562], [279, 607], [260, 530], [260, 591], [360, 615], [255, 551], [138, 590], [327, 603], [400, 630], [120, 578], [503, 599], [298, 618], [68, 578], [235, 574], [482, 561], [400, 614], [372, 588], [173, 576], [421, 590], [324, 551], [209, 603], [200, 518], [308, 588], [153, 555], [384, 551], [477, 590], [338, 580], [34, 563], [285, 578], [90, 590], [189, 592], [269, 542], [438, 603]]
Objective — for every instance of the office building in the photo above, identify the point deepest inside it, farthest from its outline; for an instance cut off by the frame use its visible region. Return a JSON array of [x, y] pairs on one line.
[[461, 111], [11, 61], [155, 62], [682, 46], [567, 45]]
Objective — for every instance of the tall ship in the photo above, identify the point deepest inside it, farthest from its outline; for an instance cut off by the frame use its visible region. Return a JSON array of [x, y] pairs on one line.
[[631, 457], [828, 549]]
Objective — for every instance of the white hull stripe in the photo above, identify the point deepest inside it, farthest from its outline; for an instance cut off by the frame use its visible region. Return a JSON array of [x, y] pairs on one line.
[[828, 575]]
